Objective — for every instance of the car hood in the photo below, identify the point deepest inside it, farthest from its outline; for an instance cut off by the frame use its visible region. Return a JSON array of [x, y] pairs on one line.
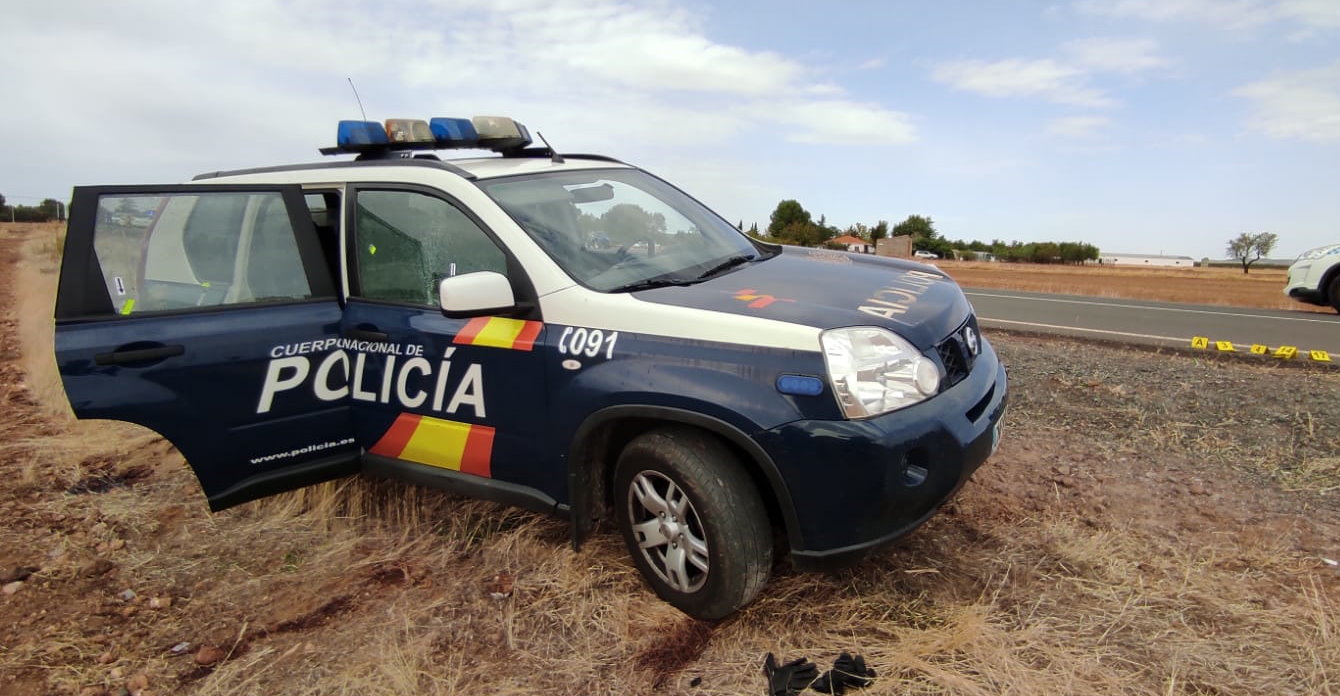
[[831, 289]]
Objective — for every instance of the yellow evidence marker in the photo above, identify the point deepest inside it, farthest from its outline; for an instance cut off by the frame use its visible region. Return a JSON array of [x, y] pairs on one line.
[[1319, 355], [1258, 349], [1200, 342], [1225, 346], [1286, 352]]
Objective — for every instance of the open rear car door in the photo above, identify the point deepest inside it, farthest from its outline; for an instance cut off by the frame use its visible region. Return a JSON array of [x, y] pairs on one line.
[[190, 310]]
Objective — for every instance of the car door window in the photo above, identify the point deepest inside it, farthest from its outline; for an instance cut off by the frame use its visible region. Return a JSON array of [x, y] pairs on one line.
[[407, 241], [180, 251]]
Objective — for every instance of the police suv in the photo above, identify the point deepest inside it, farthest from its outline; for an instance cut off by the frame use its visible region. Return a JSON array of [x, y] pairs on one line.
[[566, 333]]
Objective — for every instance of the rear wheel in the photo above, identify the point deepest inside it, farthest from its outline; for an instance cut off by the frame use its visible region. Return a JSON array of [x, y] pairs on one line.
[[693, 521]]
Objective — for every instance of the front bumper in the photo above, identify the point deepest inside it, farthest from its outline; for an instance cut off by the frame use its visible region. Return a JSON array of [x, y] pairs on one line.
[[860, 483], [1304, 285]]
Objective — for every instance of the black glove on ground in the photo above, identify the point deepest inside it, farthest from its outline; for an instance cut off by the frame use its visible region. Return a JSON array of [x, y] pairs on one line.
[[791, 678], [847, 672]]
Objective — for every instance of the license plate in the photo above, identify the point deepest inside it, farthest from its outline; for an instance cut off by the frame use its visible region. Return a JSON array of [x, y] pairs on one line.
[[995, 437]]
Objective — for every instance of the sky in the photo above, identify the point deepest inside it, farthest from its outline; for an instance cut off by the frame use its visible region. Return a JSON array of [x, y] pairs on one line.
[[1140, 126]]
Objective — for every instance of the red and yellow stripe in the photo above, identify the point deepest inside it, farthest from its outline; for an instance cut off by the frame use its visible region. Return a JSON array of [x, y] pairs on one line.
[[442, 443], [500, 332]]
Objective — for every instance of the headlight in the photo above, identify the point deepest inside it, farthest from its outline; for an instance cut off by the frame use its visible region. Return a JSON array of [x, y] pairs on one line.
[[875, 371], [1319, 252]]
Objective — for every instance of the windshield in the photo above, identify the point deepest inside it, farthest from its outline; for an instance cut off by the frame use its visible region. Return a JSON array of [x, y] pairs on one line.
[[622, 229]]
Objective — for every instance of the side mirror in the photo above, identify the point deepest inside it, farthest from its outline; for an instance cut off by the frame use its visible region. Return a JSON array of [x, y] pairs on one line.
[[482, 292]]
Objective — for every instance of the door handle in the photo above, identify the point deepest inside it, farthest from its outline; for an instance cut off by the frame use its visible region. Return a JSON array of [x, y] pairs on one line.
[[367, 333], [135, 355]]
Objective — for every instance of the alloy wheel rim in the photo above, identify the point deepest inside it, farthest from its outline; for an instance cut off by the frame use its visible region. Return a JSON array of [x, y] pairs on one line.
[[668, 531]]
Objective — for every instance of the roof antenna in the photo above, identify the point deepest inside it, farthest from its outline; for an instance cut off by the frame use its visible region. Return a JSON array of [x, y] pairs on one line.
[[360, 101], [554, 156]]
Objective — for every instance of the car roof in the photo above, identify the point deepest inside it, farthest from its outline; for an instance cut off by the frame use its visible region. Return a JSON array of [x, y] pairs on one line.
[[470, 168]]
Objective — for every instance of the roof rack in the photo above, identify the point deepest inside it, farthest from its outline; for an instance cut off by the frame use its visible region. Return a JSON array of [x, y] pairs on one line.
[[415, 161]]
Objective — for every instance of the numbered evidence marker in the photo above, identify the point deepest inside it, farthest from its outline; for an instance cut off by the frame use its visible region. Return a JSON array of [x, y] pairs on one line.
[[1319, 355], [1200, 342], [1258, 349], [1286, 352], [1225, 346]]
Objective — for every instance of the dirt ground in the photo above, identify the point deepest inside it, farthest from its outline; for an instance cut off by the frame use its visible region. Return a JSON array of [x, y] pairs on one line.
[[1153, 523], [1263, 287]]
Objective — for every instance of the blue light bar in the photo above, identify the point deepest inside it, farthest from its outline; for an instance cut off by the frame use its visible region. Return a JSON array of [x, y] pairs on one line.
[[356, 134], [370, 139], [453, 132]]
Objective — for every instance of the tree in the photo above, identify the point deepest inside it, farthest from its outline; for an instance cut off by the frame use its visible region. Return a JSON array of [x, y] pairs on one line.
[[917, 226], [626, 224], [50, 207], [879, 231], [788, 213], [1250, 248], [801, 234]]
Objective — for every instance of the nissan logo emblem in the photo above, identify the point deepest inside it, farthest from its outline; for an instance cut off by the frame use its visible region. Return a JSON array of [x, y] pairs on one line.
[[970, 338]]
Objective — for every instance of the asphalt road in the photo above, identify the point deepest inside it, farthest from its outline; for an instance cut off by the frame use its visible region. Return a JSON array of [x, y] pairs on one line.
[[1157, 323]]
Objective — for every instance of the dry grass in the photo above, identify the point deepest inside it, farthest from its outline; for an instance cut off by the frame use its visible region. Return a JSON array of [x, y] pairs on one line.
[[1081, 560], [1262, 288]]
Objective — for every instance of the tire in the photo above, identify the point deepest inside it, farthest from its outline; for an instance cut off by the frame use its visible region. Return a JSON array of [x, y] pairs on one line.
[[711, 552], [1334, 293]]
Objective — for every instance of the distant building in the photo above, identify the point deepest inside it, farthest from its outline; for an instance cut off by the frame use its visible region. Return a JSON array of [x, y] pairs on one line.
[[853, 243], [1146, 260], [900, 246]]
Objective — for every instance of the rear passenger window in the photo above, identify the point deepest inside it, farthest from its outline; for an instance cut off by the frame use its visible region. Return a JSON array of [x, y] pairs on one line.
[[407, 242], [170, 252]]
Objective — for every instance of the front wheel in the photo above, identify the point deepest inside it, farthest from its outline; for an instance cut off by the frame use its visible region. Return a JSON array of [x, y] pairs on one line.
[[1334, 293], [693, 521]]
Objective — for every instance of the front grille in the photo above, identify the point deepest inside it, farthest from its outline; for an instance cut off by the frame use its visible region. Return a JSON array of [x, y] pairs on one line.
[[955, 355]]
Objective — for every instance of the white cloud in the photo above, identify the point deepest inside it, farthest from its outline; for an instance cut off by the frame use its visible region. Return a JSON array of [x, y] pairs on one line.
[[1078, 127], [1116, 55], [871, 64], [1234, 14], [845, 122], [189, 87], [1303, 105], [1046, 78]]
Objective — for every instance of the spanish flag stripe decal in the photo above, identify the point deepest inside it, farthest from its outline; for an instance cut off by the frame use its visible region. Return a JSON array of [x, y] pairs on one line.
[[526, 339], [393, 441], [471, 329], [437, 443], [441, 443], [499, 332], [478, 455]]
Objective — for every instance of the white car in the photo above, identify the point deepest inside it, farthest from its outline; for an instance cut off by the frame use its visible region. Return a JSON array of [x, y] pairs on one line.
[[923, 254], [1315, 277]]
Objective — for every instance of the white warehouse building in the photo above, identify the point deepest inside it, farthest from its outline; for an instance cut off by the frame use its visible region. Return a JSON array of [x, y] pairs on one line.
[[1146, 260]]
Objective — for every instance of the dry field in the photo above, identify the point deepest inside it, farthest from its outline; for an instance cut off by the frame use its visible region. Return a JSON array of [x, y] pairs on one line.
[[1152, 524], [1218, 286]]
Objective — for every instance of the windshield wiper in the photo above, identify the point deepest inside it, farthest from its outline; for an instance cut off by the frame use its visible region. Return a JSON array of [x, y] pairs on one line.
[[726, 265], [658, 282]]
